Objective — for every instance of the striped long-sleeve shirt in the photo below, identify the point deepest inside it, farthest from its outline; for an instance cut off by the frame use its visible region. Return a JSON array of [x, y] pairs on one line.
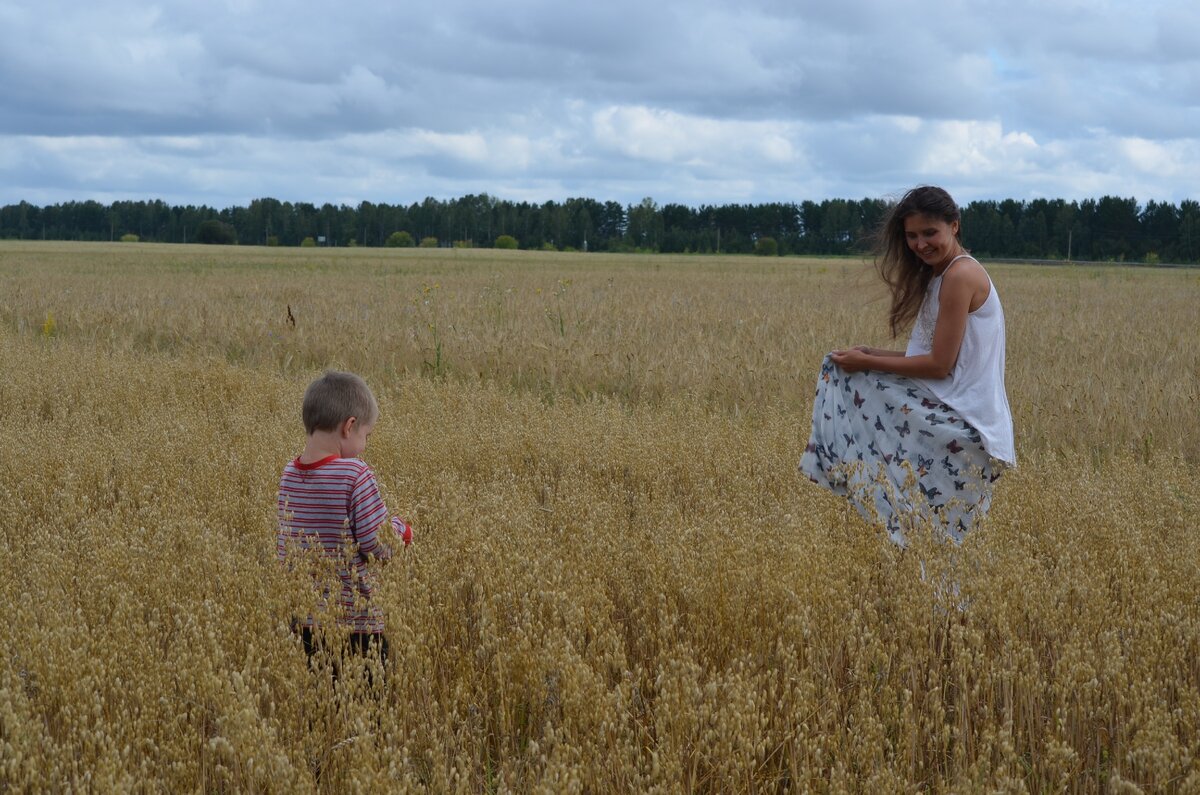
[[331, 509]]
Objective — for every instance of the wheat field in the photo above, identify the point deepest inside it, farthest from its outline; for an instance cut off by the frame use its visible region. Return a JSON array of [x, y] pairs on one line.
[[620, 582]]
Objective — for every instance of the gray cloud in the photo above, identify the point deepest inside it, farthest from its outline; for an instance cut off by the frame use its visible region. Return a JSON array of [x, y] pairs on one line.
[[706, 101]]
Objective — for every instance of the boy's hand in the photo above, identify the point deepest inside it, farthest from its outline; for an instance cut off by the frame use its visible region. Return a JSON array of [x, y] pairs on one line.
[[403, 530]]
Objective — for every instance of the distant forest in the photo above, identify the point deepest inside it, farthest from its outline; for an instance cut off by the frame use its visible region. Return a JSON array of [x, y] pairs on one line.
[[1106, 229]]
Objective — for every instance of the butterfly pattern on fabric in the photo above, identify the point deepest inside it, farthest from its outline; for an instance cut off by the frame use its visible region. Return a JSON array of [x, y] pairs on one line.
[[872, 422]]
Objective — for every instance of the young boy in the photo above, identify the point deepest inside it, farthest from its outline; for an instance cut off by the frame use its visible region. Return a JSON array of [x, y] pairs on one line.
[[330, 508]]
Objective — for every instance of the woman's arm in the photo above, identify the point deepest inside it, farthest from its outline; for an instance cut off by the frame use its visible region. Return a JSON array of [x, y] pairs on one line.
[[954, 301], [877, 351]]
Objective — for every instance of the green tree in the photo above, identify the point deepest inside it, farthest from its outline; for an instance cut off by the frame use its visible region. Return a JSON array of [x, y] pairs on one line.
[[400, 240], [1187, 245], [1159, 228], [766, 247], [429, 241], [264, 218], [645, 224], [506, 241], [214, 232], [1108, 228], [1117, 225]]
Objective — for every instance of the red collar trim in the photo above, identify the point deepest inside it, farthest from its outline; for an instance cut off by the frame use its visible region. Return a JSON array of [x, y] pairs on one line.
[[314, 464]]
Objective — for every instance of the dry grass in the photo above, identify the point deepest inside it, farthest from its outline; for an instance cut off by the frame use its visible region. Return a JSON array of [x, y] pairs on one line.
[[620, 581]]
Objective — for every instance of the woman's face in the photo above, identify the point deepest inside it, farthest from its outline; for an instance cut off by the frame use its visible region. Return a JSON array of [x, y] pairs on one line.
[[931, 239]]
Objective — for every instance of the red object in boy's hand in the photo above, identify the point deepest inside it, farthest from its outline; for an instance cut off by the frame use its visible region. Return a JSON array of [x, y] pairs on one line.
[[403, 530]]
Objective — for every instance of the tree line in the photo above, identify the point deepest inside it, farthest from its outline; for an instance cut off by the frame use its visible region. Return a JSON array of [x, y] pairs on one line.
[[1109, 228]]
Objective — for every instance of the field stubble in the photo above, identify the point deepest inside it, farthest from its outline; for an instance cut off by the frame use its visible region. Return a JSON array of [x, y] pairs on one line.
[[620, 581]]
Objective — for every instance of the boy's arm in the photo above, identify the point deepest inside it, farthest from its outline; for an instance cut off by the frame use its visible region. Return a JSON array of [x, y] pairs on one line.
[[367, 515], [403, 530]]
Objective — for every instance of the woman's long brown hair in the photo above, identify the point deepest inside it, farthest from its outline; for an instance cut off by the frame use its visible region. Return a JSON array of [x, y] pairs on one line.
[[902, 270]]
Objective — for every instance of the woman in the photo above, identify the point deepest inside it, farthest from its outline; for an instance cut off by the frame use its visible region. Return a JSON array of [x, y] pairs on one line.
[[922, 433]]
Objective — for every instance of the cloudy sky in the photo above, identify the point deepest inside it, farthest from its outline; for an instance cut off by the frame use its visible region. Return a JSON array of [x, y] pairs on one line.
[[708, 101]]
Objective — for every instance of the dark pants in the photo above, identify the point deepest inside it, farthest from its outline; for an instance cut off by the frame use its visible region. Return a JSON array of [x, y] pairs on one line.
[[362, 644]]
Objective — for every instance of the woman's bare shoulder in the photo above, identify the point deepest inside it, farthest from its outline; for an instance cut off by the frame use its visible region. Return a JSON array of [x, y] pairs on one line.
[[968, 282], [967, 271]]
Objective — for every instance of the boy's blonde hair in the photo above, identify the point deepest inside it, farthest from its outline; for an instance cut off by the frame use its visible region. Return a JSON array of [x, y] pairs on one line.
[[336, 397]]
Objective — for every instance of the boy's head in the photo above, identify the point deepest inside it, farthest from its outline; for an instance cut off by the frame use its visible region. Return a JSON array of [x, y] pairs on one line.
[[336, 397]]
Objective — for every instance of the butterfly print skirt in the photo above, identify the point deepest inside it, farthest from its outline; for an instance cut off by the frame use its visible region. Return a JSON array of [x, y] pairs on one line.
[[899, 454]]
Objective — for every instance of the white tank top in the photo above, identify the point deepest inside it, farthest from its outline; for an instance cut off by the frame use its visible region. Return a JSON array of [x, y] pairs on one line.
[[975, 386]]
